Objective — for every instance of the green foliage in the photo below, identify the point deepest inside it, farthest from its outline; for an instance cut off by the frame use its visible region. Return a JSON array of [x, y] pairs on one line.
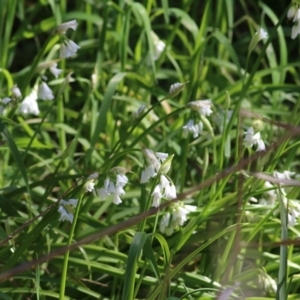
[[237, 219]]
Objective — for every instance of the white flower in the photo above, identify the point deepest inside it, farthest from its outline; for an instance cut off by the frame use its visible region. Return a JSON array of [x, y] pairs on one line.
[[136, 114], [260, 34], [65, 209], [284, 175], [159, 46], [29, 104], [6, 100], [93, 176], [293, 13], [168, 188], [54, 70], [176, 218], [51, 65], [68, 48], [157, 195], [89, 185], [16, 93], [295, 30], [114, 189], [190, 127], [65, 215], [121, 180], [62, 28], [71, 202], [180, 212], [164, 223], [254, 139], [116, 199], [44, 92], [202, 106], [148, 173]]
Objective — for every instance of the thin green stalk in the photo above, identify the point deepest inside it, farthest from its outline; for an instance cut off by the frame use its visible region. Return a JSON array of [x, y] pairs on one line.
[[63, 279]]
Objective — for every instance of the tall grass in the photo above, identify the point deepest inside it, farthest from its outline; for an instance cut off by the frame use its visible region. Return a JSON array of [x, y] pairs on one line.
[[239, 239]]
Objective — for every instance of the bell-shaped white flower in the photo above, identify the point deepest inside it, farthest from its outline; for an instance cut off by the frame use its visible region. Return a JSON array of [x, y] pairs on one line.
[[65, 215], [89, 185], [193, 128], [62, 28], [44, 92], [15, 91], [54, 70], [68, 49], [65, 209], [294, 13], [260, 34], [254, 139], [295, 30], [138, 113], [6, 100], [159, 46], [202, 106], [29, 105], [157, 195]]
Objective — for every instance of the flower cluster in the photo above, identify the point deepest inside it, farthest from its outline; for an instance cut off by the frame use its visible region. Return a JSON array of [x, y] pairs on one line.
[[294, 15], [164, 189], [114, 185], [175, 217], [203, 107], [66, 208], [68, 48], [272, 194]]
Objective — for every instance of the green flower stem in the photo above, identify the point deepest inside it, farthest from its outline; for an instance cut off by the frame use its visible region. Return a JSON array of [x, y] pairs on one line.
[[66, 258]]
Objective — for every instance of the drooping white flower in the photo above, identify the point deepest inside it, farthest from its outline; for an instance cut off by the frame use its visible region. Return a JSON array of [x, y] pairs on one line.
[[44, 92], [168, 188], [293, 13], [180, 212], [157, 195], [254, 139], [6, 100], [260, 34], [15, 91], [284, 175], [137, 114], [114, 189], [89, 185], [159, 46], [295, 30], [54, 70], [51, 65], [164, 223], [193, 128], [93, 175], [154, 161], [202, 106], [29, 105], [65, 215], [65, 209], [176, 217], [68, 49], [62, 28], [147, 173]]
